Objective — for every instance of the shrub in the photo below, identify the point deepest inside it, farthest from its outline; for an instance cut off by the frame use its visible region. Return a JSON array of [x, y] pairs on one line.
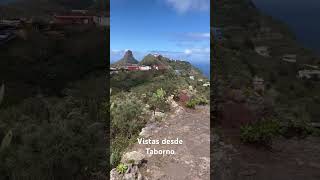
[[196, 101], [191, 103], [125, 115], [122, 168], [115, 158], [158, 101], [261, 132]]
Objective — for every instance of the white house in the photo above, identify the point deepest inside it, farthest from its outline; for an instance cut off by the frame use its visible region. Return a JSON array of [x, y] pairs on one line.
[[101, 20], [309, 74], [207, 84], [191, 77], [290, 58], [15, 22], [144, 68], [262, 50]]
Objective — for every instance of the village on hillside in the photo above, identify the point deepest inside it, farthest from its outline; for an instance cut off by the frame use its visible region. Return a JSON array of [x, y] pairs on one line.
[[17, 27], [128, 64]]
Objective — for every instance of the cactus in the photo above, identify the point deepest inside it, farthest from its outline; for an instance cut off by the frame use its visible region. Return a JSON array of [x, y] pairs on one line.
[[6, 141], [1, 92]]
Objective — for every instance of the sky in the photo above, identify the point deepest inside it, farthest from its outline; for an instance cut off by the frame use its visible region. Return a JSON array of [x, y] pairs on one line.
[[177, 29]]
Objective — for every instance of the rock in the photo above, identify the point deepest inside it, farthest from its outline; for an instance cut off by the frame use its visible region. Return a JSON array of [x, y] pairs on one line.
[[114, 175], [129, 176], [145, 132], [133, 173], [159, 116], [134, 156]]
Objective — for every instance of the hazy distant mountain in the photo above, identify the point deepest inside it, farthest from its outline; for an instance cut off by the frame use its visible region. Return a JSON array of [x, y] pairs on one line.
[[127, 59]]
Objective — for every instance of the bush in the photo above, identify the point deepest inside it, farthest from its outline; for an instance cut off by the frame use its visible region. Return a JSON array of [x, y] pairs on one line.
[[125, 115], [196, 101], [191, 103], [261, 132], [158, 101], [122, 168]]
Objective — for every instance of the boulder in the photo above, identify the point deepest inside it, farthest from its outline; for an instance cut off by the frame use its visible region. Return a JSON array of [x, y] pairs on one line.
[[114, 175], [134, 156], [159, 115]]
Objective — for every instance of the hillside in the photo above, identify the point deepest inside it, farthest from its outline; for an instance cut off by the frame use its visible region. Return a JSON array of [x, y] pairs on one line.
[[151, 59], [52, 107], [262, 102], [45, 8], [142, 97]]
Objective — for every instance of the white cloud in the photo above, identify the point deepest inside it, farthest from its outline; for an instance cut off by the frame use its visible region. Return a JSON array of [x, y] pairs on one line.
[[187, 51], [183, 6], [197, 51], [198, 35]]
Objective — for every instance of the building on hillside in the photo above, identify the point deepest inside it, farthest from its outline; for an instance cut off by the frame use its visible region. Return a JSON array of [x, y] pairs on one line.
[[191, 77], [159, 67], [11, 22], [6, 36], [311, 66], [290, 58], [73, 19], [207, 84], [177, 71], [262, 51], [132, 68], [144, 68], [308, 74], [81, 11], [101, 20]]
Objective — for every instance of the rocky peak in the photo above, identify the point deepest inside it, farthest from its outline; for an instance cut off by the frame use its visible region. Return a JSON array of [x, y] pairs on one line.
[[127, 59], [128, 54]]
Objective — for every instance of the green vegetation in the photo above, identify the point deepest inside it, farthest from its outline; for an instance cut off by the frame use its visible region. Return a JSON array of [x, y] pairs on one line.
[[261, 132], [66, 134], [196, 101], [236, 64], [121, 168], [137, 95], [127, 119], [158, 101]]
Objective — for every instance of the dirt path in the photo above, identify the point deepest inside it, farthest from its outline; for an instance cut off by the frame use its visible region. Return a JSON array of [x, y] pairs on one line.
[[191, 160], [290, 159]]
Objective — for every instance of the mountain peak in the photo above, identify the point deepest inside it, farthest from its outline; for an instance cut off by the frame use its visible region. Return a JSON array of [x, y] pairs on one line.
[[127, 59], [128, 53]]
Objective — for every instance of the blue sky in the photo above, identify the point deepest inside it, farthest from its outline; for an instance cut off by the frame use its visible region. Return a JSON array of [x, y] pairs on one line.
[[178, 29]]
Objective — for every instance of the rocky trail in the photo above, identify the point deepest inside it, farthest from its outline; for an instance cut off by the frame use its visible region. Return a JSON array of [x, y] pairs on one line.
[[191, 159]]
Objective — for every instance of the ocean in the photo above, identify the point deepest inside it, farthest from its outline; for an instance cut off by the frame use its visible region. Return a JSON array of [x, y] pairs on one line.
[[302, 16], [204, 67]]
